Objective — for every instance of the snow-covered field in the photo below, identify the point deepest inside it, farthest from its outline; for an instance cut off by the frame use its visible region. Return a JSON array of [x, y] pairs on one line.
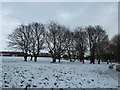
[[43, 74]]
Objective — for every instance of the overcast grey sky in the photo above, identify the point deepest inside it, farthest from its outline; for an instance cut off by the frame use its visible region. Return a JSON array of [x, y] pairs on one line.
[[67, 13]]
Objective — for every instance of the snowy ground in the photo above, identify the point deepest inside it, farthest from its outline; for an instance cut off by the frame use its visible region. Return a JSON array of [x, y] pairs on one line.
[[43, 74]]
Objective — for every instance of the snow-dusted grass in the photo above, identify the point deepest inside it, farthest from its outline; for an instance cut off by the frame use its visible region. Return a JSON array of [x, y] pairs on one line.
[[43, 74]]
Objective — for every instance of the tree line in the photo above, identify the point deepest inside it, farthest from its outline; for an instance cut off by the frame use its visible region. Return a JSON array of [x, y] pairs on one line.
[[63, 42]]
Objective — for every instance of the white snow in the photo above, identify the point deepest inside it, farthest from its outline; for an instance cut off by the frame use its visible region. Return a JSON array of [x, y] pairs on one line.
[[43, 74]]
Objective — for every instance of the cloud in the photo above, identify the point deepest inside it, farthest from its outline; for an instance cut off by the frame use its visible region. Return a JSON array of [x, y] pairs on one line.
[[0, 25], [8, 25], [64, 15], [71, 14]]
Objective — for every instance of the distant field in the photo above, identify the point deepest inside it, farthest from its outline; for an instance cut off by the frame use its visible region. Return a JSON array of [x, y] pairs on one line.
[[42, 74]]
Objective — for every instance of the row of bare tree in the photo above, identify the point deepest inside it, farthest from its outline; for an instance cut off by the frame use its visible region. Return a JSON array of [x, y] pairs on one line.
[[61, 40]]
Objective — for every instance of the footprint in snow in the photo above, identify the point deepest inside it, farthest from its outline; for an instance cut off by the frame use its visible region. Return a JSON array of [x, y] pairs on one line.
[[34, 85], [92, 79], [55, 83], [30, 80], [32, 77], [6, 85]]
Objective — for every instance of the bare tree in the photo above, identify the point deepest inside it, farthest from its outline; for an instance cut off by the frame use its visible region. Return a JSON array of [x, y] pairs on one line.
[[55, 40], [91, 31], [115, 49], [101, 42], [51, 35], [60, 41], [81, 42], [97, 40], [37, 39], [29, 39], [20, 39], [69, 44]]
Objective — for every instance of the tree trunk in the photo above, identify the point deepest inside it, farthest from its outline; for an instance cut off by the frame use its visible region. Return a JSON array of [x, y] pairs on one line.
[[35, 58], [99, 61], [70, 57], [54, 60], [25, 58], [83, 61], [31, 57], [92, 61], [92, 56], [59, 58], [53, 57], [83, 57], [80, 57], [98, 56], [74, 59]]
